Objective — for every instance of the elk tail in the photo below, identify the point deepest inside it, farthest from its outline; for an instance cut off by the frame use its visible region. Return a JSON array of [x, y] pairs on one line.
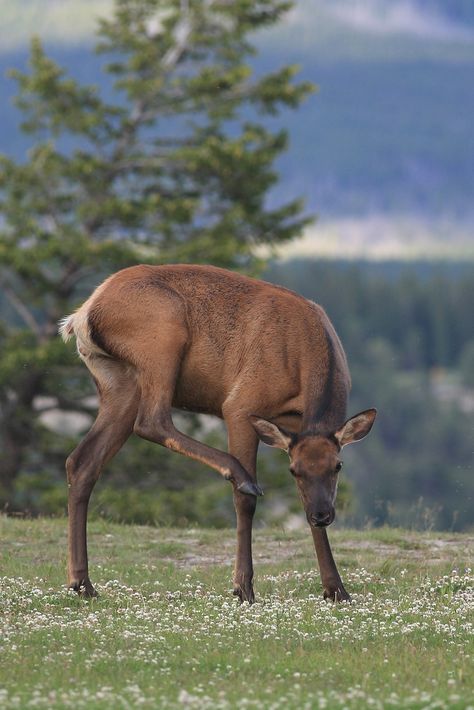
[[66, 327]]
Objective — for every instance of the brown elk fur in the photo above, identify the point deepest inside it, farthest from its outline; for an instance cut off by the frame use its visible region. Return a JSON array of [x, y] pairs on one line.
[[200, 338]]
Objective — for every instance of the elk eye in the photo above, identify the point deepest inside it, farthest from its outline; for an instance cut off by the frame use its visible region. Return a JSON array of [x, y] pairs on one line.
[[338, 466], [292, 470]]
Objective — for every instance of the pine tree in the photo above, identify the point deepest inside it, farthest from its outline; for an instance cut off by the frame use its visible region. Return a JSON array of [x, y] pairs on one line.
[[176, 167]]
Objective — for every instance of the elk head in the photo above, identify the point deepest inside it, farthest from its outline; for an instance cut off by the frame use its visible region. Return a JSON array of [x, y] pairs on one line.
[[315, 460]]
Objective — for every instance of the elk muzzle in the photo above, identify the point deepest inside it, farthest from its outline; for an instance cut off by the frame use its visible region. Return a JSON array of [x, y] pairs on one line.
[[321, 518]]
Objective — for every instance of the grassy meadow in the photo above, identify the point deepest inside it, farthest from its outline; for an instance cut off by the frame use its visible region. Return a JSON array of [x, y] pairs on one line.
[[167, 633]]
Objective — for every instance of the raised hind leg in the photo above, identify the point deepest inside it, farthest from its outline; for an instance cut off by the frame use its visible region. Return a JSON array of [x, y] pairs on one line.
[[158, 367], [118, 408]]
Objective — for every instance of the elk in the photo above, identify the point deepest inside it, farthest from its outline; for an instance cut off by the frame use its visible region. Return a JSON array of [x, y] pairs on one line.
[[264, 359]]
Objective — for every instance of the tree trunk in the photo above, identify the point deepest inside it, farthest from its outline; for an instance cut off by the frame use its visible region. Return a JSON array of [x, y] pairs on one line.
[[10, 464], [17, 431]]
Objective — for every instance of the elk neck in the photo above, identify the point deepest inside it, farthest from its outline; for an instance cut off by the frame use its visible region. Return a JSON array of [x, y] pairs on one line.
[[328, 388]]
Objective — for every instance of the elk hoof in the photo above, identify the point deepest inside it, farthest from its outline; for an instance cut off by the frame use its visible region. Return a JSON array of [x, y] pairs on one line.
[[244, 594], [84, 589], [251, 489], [337, 594]]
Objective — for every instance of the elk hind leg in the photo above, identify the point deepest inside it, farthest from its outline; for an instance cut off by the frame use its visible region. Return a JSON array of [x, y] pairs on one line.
[[158, 374], [118, 408]]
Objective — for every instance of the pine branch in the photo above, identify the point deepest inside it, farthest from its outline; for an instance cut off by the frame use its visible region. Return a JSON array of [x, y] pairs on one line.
[[181, 35], [140, 112], [24, 313]]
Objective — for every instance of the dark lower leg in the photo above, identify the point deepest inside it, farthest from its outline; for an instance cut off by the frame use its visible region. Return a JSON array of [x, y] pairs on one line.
[[333, 587], [243, 571], [243, 444], [78, 574], [81, 478], [110, 431]]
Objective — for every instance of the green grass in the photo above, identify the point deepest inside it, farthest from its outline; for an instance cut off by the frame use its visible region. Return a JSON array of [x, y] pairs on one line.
[[166, 632]]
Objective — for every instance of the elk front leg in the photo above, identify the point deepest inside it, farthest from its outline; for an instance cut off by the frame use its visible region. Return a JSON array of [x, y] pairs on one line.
[[243, 444], [333, 587]]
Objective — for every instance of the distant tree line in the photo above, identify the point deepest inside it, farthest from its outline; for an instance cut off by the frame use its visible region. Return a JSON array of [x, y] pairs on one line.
[[416, 467], [422, 310], [408, 331]]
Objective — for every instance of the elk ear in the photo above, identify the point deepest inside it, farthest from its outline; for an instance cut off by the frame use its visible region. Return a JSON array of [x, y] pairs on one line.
[[356, 427], [271, 434]]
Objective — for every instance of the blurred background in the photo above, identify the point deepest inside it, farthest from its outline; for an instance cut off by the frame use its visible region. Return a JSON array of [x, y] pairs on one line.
[[336, 159]]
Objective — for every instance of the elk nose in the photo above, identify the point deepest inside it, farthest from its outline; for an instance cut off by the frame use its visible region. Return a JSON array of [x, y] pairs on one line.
[[321, 519]]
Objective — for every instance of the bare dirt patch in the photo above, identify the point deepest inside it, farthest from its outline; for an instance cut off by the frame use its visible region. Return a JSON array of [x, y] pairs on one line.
[[267, 550]]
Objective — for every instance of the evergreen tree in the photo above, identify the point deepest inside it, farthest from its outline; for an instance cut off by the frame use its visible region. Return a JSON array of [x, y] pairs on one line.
[[176, 167]]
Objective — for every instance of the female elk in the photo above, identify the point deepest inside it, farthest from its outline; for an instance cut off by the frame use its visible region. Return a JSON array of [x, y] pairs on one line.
[[263, 358]]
